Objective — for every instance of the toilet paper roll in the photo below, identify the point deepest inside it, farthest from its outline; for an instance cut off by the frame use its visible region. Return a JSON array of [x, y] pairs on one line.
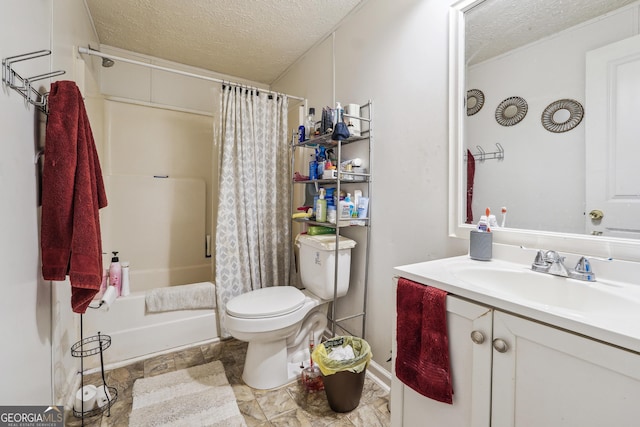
[[86, 398], [353, 124], [108, 298], [103, 396]]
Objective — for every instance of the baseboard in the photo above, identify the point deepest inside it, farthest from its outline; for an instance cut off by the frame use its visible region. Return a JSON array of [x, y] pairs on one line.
[[380, 375]]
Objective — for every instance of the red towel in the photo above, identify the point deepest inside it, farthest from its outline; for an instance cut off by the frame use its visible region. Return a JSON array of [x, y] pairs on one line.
[[471, 172], [422, 360], [72, 193]]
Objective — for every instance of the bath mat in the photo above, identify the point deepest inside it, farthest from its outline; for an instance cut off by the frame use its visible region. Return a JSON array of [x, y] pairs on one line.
[[197, 396]]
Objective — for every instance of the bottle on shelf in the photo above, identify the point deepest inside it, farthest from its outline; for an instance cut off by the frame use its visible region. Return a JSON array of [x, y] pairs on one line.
[[313, 168], [321, 207], [310, 124], [346, 207]]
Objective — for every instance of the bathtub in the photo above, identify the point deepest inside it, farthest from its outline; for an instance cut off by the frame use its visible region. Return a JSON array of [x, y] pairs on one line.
[[136, 334]]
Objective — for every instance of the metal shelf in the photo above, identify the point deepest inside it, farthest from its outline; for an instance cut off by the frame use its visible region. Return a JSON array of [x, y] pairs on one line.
[[326, 141], [354, 178], [354, 222]]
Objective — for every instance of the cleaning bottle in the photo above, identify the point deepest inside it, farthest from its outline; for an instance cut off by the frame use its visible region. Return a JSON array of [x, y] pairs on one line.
[[115, 273], [346, 207], [313, 168], [321, 207]]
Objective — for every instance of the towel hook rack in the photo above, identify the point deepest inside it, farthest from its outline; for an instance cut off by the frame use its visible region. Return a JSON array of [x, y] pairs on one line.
[[482, 155], [23, 85]]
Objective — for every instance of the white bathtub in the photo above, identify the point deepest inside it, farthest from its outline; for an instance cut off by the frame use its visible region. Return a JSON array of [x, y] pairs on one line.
[[136, 333]]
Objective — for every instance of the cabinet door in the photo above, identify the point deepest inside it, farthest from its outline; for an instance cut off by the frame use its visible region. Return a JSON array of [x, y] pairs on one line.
[[549, 377], [470, 370]]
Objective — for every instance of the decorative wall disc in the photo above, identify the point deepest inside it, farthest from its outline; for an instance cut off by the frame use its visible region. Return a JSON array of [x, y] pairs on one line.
[[511, 111], [562, 115], [475, 101]]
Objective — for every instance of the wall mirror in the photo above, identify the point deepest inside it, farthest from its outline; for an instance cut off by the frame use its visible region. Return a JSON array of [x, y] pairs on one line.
[[571, 154]]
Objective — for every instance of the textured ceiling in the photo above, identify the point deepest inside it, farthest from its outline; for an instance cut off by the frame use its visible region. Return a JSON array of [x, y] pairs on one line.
[[252, 39], [498, 26]]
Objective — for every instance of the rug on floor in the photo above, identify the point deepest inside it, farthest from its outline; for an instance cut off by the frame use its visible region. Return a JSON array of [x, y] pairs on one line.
[[196, 396]]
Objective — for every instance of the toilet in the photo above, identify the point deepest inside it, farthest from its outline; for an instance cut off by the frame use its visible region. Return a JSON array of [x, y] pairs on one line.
[[278, 321]]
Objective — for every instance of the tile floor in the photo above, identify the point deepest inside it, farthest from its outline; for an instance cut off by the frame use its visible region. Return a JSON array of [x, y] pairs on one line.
[[287, 406]]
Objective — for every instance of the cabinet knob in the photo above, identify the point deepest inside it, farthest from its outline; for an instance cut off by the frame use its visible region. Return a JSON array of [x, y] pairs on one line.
[[500, 345], [477, 337]]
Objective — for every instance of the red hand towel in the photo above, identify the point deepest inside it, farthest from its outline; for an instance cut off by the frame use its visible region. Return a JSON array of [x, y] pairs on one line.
[[72, 193], [422, 360], [471, 172]]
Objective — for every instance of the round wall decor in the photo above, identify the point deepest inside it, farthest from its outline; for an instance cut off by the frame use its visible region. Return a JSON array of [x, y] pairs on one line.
[[562, 115], [475, 101], [511, 111]]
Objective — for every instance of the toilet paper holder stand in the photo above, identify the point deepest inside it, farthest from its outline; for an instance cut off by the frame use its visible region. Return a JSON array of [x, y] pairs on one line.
[[86, 347]]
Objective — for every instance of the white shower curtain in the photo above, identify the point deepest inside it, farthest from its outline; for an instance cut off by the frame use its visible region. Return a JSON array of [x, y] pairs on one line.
[[253, 232]]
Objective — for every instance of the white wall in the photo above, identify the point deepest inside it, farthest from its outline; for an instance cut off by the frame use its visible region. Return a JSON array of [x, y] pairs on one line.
[[396, 54], [25, 329], [538, 164], [33, 311]]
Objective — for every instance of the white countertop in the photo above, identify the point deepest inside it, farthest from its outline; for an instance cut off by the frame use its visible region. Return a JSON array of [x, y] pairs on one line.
[[619, 326]]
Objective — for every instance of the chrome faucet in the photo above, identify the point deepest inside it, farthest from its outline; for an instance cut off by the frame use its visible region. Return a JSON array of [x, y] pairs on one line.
[[556, 264], [551, 262]]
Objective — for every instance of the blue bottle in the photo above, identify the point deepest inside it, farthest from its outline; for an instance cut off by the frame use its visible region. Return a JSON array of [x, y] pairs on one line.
[[313, 168]]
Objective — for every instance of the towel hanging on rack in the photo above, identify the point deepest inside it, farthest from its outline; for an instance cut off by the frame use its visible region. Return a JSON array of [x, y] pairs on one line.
[[72, 194]]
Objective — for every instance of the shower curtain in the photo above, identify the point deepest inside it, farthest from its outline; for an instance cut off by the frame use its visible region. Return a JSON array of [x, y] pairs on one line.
[[253, 232]]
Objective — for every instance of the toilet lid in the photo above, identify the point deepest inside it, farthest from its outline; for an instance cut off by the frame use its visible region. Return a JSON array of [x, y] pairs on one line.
[[266, 302]]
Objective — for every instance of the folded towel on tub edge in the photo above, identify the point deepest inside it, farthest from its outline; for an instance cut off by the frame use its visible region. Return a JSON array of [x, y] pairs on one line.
[[181, 297]]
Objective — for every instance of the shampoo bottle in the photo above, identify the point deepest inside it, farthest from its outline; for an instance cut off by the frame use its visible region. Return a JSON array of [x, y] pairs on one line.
[[115, 273], [321, 207]]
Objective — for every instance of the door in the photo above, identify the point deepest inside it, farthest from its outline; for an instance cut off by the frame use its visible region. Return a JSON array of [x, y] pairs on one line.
[[613, 139], [543, 376], [470, 360]]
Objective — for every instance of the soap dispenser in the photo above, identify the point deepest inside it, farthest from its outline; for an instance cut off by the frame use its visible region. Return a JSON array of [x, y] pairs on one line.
[[115, 273]]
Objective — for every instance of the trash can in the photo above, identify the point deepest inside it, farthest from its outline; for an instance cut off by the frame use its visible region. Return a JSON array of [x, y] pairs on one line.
[[343, 372]]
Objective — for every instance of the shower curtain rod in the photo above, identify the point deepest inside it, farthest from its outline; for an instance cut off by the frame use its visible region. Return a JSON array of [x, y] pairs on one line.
[[89, 51]]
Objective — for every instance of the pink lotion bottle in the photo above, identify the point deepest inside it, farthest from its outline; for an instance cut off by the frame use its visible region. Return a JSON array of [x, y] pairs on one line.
[[115, 273]]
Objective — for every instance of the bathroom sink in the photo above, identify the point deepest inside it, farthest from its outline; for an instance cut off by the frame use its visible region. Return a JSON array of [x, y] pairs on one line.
[[548, 290]]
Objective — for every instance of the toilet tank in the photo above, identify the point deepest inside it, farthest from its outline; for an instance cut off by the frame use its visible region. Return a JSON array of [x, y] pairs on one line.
[[318, 261]]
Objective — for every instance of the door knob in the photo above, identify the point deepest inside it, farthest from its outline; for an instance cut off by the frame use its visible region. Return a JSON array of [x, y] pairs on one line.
[[596, 214], [477, 337], [500, 345]]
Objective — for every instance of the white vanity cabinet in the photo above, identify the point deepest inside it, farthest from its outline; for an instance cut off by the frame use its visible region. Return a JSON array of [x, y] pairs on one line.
[[550, 377], [509, 371]]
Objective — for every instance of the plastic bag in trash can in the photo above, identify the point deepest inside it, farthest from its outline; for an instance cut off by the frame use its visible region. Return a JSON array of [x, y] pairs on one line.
[[329, 366]]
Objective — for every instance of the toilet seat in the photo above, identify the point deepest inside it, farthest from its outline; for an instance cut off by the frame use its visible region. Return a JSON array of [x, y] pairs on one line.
[[266, 302]]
